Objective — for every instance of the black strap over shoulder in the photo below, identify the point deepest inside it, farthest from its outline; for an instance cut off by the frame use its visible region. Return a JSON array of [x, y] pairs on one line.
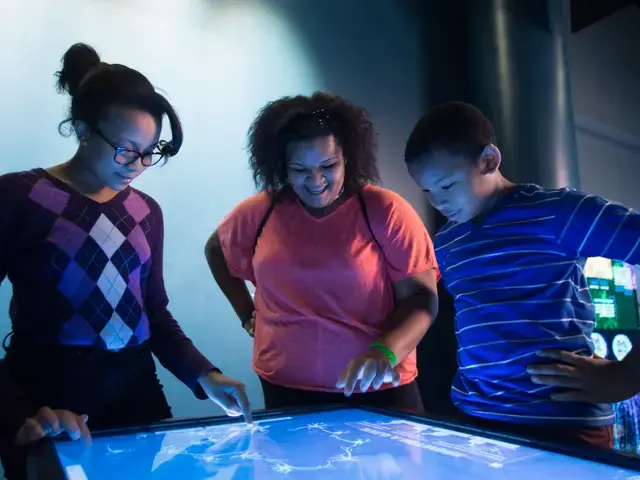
[[276, 197], [363, 205]]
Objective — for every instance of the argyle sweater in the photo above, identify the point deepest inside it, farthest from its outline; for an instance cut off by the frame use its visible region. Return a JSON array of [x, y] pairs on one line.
[[89, 274]]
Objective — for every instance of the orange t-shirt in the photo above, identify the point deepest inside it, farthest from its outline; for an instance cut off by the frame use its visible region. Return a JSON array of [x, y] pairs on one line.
[[324, 291]]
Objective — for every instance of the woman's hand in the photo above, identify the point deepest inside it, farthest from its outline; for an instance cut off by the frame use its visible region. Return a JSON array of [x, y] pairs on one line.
[[49, 422], [371, 369], [250, 324]]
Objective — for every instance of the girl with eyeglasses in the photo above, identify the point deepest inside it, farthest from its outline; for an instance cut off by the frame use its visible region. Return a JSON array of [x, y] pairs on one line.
[[344, 270], [83, 251]]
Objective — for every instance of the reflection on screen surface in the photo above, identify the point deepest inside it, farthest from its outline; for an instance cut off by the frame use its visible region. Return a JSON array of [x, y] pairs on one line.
[[343, 444]]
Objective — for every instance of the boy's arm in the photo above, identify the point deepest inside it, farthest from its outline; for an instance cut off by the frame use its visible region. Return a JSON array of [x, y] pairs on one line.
[[632, 360], [592, 226], [588, 379]]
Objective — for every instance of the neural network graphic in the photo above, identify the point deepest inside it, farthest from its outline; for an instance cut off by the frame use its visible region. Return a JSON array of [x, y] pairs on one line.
[[215, 438]]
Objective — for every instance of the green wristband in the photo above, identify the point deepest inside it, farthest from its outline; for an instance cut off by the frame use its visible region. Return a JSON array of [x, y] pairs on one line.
[[387, 352]]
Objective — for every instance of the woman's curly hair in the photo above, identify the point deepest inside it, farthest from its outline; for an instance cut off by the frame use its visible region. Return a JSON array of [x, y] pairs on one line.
[[300, 118]]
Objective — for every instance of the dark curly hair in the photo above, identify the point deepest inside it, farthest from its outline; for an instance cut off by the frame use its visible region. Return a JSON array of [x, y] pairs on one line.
[[300, 118]]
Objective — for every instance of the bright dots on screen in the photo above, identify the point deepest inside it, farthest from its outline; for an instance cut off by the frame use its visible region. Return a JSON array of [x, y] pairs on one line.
[[599, 345], [621, 346]]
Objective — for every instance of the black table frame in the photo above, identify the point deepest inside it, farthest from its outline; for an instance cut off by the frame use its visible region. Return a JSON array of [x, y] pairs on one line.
[[43, 462]]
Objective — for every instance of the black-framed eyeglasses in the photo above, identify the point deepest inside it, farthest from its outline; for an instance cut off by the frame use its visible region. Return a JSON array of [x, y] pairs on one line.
[[126, 156]]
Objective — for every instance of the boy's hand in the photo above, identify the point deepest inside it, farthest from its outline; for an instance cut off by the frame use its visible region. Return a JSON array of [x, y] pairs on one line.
[[49, 422], [371, 369], [586, 379]]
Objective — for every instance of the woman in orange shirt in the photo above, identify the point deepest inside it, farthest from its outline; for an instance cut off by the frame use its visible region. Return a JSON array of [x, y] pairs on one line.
[[344, 270]]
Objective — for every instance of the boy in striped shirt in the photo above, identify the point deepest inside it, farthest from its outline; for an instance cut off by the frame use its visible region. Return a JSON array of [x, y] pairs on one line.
[[512, 255]]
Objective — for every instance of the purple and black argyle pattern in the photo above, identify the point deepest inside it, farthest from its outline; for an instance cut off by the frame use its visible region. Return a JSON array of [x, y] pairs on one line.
[[99, 258], [90, 274]]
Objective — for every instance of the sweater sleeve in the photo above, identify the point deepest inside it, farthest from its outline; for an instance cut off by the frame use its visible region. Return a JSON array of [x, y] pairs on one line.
[[8, 221], [174, 349], [15, 406]]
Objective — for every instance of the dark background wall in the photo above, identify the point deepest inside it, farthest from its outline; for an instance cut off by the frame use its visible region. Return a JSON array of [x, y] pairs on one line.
[[605, 69]]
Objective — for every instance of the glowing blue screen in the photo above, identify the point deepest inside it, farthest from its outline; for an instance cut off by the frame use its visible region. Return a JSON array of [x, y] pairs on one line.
[[343, 444]]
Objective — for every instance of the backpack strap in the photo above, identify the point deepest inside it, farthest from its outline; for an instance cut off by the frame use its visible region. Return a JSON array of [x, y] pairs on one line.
[[274, 199], [363, 205]]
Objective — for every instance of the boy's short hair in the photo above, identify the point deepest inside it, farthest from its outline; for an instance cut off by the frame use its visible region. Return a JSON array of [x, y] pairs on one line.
[[454, 127]]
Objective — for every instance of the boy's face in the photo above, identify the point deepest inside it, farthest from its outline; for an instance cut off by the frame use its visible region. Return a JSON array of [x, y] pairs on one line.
[[456, 186]]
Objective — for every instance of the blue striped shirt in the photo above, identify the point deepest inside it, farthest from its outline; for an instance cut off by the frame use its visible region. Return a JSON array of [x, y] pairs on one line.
[[518, 283]]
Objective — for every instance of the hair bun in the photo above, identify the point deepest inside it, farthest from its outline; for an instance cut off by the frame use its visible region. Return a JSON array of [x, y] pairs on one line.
[[77, 62]]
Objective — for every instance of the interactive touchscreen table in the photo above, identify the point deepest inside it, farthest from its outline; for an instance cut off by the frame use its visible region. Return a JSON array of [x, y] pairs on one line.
[[326, 443]]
